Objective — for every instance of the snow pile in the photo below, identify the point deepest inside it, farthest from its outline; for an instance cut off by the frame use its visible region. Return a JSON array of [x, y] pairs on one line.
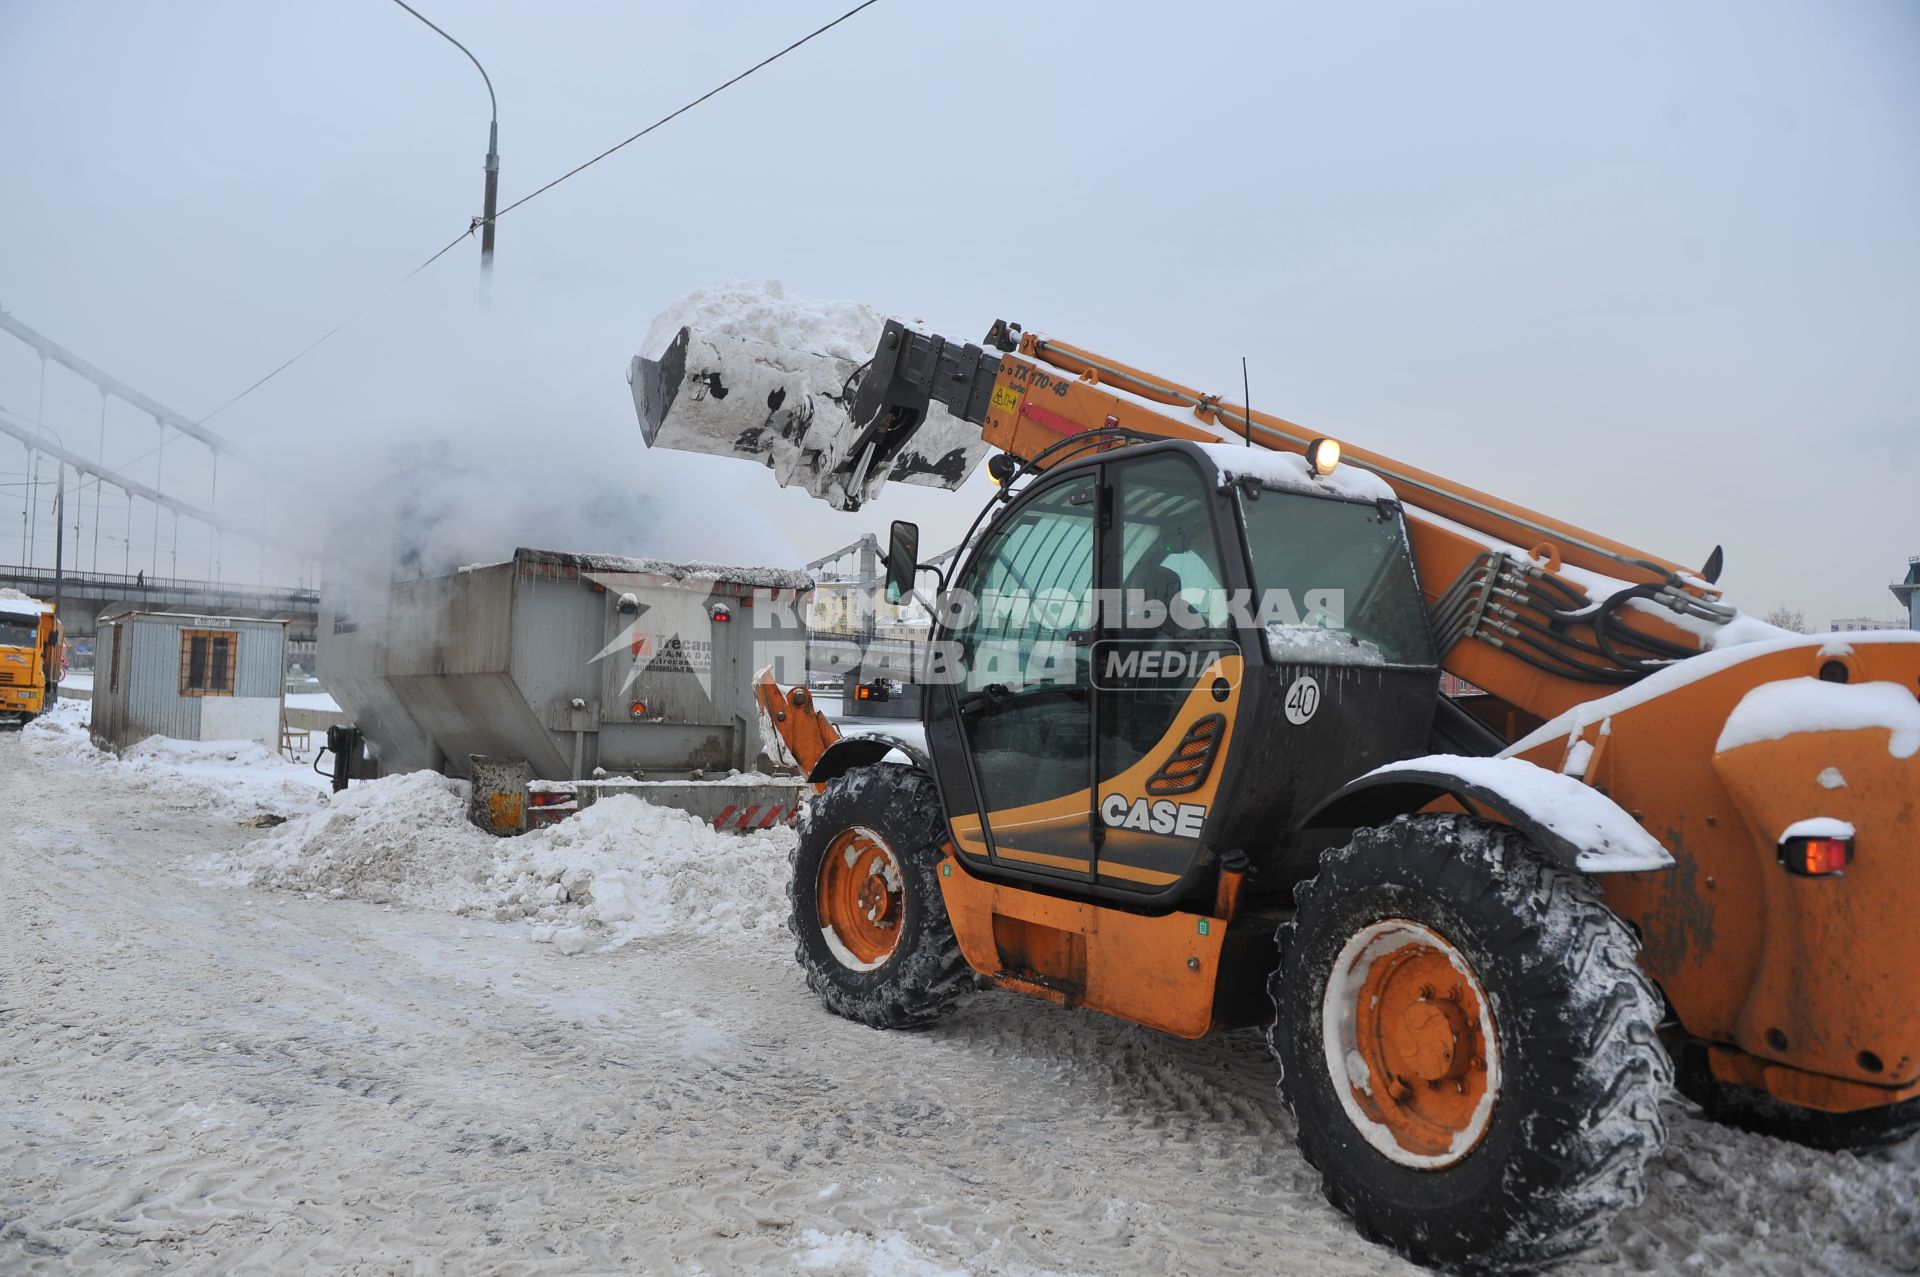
[[61, 733], [239, 778], [12, 600], [760, 310], [1774, 711], [619, 871]]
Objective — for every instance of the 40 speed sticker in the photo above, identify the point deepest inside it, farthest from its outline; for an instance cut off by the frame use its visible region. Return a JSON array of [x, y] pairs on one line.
[[1303, 698]]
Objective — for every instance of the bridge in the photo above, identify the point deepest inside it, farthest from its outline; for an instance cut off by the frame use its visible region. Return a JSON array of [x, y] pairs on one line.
[[63, 523], [85, 595]]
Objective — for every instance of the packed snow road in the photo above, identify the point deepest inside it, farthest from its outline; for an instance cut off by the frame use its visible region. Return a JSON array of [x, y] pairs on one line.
[[207, 1076]]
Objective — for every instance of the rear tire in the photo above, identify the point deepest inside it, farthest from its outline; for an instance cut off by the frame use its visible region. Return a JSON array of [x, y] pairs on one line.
[[1746, 1109], [869, 923], [1558, 1103]]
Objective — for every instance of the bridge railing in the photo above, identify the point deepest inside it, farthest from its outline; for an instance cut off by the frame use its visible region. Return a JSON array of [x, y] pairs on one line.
[[135, 583]]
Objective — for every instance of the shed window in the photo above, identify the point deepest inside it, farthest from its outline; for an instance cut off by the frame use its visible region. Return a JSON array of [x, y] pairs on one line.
[[207, 661]]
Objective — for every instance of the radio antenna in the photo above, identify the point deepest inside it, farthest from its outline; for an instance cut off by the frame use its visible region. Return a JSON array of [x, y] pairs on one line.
[[1246, 400]]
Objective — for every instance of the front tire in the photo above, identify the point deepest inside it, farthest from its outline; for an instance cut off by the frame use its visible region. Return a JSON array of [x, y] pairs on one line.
[[1467, 1045], [869, 923]]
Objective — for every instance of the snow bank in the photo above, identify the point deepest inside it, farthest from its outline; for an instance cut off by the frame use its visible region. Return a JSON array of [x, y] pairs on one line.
[[619, 871], [1773, 711], [241, 778]]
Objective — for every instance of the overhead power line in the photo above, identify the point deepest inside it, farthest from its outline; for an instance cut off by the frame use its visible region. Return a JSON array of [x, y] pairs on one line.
[[673, 115], [668, 118], [310, 346]]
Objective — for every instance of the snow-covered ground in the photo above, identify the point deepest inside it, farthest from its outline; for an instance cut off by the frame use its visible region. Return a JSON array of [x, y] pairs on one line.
[[339, 1044], [224, 777], [313, 700], [82, 680]]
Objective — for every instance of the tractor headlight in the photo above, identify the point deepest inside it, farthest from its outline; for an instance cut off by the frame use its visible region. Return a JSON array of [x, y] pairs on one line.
[[1323, 455]]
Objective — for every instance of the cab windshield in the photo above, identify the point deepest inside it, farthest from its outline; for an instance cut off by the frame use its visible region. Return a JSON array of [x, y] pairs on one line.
[[18, 631], [1334, 581]]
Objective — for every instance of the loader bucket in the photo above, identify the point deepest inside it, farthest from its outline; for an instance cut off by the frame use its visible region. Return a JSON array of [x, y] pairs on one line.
[[791, 410]]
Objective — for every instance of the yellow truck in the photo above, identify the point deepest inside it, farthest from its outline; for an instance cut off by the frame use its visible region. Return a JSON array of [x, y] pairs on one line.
[[32, 658]]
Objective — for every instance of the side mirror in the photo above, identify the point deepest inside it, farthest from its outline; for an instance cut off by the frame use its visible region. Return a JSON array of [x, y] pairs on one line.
[[903, 559]]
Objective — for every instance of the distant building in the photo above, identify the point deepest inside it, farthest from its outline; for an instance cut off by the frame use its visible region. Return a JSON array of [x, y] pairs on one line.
[[838, 607], [1908, 592], [853, 608], [1854, 624], [908, 630]]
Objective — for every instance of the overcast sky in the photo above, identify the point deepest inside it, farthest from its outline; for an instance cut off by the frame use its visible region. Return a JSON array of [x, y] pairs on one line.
[[1654, 268]]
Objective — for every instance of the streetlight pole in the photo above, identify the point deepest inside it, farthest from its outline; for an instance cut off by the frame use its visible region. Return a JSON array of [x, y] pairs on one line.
[[59, 531], [485, 220], [493, 189], [59, 516]]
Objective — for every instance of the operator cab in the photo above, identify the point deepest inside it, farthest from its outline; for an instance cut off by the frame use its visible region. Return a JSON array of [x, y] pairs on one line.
[[1164, 655]]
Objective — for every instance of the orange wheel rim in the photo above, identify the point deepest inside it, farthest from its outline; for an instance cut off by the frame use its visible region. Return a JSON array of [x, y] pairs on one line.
[[1411, 1046], [861, 897]]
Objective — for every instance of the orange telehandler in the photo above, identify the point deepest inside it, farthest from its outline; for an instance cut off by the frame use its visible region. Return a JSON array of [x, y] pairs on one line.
[[1499, 826]]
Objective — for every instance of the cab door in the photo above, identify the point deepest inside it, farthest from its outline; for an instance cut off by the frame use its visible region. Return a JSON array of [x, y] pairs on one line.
[[1010, 719], [1167, 674]]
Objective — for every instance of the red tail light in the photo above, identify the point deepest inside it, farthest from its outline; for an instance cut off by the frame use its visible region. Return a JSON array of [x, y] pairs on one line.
[[1816, 857]]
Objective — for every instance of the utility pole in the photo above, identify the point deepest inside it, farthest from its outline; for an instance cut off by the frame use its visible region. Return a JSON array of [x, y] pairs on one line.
[[485, 220], [493, 190], [59, 531], [99, 489]]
